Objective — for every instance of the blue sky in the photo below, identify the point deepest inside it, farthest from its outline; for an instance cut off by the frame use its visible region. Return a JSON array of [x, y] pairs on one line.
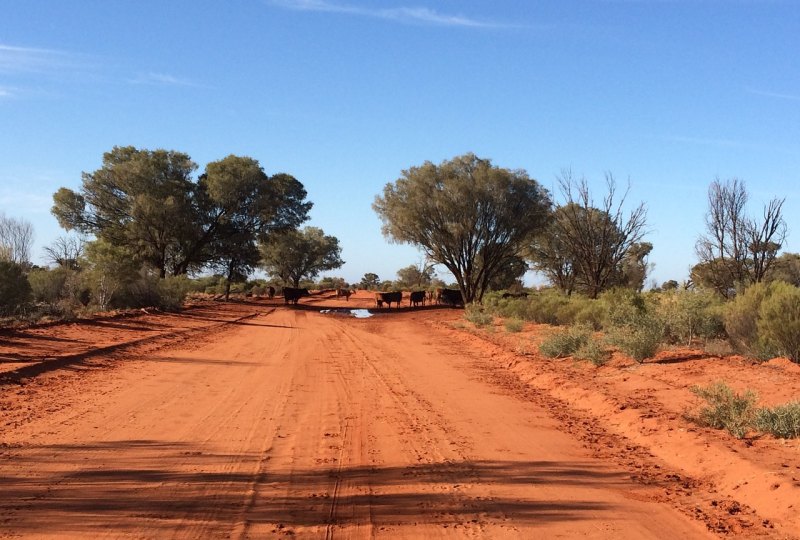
[[344, 95]]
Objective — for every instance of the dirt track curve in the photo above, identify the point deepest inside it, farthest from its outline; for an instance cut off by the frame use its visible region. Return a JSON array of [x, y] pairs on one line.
[[267, 421]]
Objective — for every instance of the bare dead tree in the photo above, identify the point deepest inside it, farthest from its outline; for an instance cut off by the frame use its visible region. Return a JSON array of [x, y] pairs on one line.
[[596, 237], [16, 239], [736, 249], [66, 251]]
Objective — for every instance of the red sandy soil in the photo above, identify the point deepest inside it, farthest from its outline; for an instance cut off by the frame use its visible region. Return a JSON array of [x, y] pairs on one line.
[[254, 420]]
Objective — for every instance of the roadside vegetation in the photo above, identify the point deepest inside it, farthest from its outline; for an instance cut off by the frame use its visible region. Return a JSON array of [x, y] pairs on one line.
[[737, 413]]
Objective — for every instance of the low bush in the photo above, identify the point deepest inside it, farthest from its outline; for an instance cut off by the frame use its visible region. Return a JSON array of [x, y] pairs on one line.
[[782, 421], [778, 323], [593, 351], [478, 315], [514, 325], [632, 325], [690, 315], [565, 342], [172, 292], [741, 320], [15, 291], [727, 409]]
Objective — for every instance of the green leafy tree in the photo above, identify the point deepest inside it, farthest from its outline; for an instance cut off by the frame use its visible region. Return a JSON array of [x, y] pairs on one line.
[[109, 269], [300, 254], [244, 205], [465, 214], [415, 276], [370, 281], [141, 199], [15, 291]]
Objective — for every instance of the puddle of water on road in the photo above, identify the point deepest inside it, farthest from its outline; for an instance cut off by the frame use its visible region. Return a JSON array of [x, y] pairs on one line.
[[357, 313]]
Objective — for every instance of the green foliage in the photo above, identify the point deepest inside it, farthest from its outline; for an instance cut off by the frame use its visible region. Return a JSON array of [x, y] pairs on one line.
[[478, 315], [593, 351], [742, 316], [565, 342], [414, 277], [15, 291], [465, 214], [727, 409], [778, 322], [691, 314], [145, 201], [370, 281], [300, 254], [47, 286], [782, 421], [514, 325], [172, 292], [632, 325]]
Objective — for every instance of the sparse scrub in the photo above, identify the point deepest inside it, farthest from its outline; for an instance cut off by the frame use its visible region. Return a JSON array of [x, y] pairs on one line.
[[632, 325], [15, 291], [782, 421], [514, 325], [593, 351], [778, 322], [478, 315], [690, 315], [727, 409], [741, 320], [565, 342]]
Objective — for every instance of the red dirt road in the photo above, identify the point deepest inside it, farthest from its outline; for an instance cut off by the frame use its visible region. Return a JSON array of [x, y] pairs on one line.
[[254, 421]]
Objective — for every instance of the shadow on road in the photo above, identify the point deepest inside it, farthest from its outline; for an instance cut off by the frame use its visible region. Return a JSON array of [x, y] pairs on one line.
[[124, 482]]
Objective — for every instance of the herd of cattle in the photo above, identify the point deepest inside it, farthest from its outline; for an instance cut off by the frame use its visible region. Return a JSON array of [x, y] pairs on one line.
[[449, 297]]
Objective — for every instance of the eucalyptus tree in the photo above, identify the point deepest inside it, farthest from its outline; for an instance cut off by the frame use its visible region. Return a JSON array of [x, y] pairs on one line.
[[141, 199], [295, 255], [466, 214]]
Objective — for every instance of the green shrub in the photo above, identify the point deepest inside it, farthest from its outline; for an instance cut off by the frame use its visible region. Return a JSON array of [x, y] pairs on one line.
[[778, 323], [632, 324], [727, 409], [593, 351], [478, 315], [781, 421], [514, 325], [47, 286], [172, 292], [565, 342], [741, 320], [690, 315], [15, 291]]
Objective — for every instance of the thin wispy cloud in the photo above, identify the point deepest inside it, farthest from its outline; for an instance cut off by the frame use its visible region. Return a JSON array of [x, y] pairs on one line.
[[418, 15], [15, 59], [162, 79], [793, 97]]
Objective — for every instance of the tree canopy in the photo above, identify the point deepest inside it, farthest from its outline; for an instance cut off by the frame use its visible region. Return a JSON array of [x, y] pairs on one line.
[[147, 202], [295, 255], [465, 214]]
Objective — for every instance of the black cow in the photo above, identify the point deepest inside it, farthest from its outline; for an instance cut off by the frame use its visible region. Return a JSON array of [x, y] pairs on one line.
[[271, 292], [343, 292], [522, 294], [450, 297], [417, 298], [388, 298], [292, 295]]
